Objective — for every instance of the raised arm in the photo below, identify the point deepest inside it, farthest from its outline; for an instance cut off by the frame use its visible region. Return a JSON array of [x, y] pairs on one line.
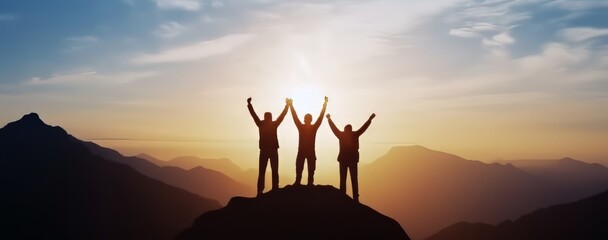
[[296, 120], [366, 125], [333, 127], [284, 112], [255, 117], [320, 118]]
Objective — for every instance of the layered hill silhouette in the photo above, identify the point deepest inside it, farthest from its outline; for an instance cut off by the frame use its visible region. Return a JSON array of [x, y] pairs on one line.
[[584, 219], [200, 180], [574, 178], [53, 187], [295, 212], [427, 190], [223, 165]]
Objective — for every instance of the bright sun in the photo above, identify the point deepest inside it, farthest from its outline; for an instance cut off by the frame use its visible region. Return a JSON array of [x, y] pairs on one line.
[[306, 99]]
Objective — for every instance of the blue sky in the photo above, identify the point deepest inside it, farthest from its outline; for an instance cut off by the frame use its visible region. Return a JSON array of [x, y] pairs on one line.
[[532, 67]]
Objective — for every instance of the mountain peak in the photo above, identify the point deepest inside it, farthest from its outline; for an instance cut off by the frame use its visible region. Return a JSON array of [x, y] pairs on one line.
[[31, 118], [295, 212], [30, 126]]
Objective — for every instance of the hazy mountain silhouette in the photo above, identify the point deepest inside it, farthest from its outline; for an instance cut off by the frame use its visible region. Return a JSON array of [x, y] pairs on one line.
[[584, 219], [154, 160], [54, 188], [427, 190], [574, 178], [295, 212], [222, 165], [202, 181], [248, 177]]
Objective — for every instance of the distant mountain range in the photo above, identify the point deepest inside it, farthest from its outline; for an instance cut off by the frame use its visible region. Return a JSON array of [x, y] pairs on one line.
[[584, 219], [53, 187], [222, 165], [202, 181], [295, 212], [226, 166], [427, 190]]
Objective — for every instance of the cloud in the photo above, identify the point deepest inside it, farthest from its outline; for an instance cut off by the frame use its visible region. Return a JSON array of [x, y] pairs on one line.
[[217, 4], [7, 17], [578, 5], [195, 51], [473, 30], [582, 33], [170, 30], [90, 77], [187, 5], [501, 39], [555, 56]]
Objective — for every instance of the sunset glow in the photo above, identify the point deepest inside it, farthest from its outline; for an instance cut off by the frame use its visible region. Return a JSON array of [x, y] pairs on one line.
[[444, 74]]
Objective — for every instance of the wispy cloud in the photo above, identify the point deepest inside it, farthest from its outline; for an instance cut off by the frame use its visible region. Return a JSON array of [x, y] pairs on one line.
[[90, 77], [195, 51], [7, 17], [475, 29], [582, 33], [217, 4], [578, 5], [501, 39], [170, 30], [187, 5]]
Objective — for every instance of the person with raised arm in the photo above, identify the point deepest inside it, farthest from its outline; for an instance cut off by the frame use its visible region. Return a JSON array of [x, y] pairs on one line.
[[306, 143], [268, 144], [348, 156]]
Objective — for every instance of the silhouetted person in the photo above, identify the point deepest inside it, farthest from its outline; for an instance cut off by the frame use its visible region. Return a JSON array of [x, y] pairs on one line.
[[269, 144], [349, 152], [306, 144]]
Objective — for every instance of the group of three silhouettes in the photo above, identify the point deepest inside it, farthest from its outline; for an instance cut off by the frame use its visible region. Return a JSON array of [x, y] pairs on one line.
[[269, 145]]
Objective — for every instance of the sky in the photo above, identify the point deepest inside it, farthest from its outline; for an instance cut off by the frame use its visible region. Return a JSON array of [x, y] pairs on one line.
[[486, 79]]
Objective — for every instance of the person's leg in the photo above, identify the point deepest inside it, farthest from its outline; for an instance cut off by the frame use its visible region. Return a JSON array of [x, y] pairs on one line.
[[343, 177], [274, 164], [299, 169], [354, 179], [311, 169], [263, 162]]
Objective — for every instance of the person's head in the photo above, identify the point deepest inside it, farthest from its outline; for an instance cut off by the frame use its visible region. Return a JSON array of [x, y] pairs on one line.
[[267, 116], [307, 118], [348, 128]]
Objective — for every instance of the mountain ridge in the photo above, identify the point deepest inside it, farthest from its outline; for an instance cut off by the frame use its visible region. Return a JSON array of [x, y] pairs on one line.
[[54, 187]]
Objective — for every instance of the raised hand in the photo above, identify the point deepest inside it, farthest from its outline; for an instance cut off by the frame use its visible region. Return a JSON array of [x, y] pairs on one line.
[[288, 101], [326, 99], [372, 116], [249, 100], [328, 116]]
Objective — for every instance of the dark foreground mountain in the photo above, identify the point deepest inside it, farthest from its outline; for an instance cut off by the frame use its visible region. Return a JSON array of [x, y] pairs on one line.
[[584, 219], [295, 212], [54, 188]]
